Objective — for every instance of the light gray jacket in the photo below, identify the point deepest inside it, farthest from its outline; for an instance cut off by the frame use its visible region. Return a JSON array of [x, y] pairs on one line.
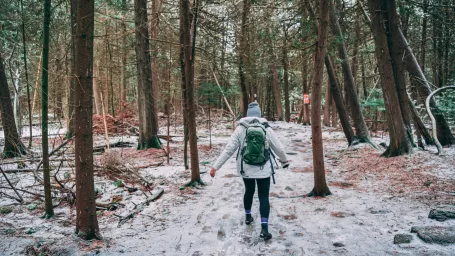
[[236, 143]]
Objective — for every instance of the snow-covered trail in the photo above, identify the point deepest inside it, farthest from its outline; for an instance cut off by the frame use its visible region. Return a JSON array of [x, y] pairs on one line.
[[211, 221]]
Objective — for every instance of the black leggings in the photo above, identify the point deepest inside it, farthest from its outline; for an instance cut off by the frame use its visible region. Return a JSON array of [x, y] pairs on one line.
[[263, 193]]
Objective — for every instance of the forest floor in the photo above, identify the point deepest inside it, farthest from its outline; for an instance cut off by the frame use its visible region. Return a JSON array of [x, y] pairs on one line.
[[373, 200]]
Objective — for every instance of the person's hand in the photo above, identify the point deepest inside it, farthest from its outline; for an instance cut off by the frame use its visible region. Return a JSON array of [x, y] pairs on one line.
[[284, 165], [212, 172]]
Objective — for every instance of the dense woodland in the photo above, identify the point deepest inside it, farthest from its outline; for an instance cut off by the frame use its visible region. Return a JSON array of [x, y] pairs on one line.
[[363, 66]]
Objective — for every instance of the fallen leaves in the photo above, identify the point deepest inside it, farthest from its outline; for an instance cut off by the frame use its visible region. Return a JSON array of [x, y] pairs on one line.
[[304, 169], [409, 175], [290, 217], [341, 214], [341, 184]]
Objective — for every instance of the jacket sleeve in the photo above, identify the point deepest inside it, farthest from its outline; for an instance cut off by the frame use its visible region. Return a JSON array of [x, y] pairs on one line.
[[276, 145], [229, 150]]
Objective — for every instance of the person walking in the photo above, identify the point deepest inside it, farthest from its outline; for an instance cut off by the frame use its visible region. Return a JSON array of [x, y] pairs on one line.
[[256, 145]]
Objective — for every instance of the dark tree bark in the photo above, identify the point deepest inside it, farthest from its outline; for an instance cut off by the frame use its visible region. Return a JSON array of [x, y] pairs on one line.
[[362, 133], [49, 210], [417, 77], [154, 23], [438, 50], [123, 81], [320, 184], [327, 104], [423, 43], [268, 89], [73, 23], [24, 50], [355, 58], [306, 107], [334, 113], [189, 80], [97, 89], [276, 90], [184, 95], [396, 54], [447, 39], [420, 127], [13, 145], [243, 56], [399, 143], [148, 126], [86, 218], [364, 82], [338, 99], [287, 107]]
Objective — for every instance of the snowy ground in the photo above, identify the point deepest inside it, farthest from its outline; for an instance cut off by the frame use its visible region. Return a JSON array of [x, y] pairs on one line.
[[360, 218]]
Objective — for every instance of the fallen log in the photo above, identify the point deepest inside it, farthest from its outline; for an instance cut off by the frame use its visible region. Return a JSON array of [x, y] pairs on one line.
[[19, 199], [433, 120], [138, 208], [35, 173], [24, 191], [32, 170], [118, 144]]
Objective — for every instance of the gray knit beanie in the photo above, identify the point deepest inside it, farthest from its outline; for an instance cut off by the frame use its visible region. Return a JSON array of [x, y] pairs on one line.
[[253, 110]]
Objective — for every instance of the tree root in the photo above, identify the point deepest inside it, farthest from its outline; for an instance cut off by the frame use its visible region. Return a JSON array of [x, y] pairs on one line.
[[47, 216], [91, 236], [358, 140], [322, 194], [195, 183]]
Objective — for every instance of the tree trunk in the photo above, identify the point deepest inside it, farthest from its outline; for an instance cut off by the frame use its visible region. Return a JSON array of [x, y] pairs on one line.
[[420, 127], [29, 104], [438, 51], [269, 97], [243, 56], [36, 93], [86, 217], [125, 51], [355, 58], [306, 107], [399, 143], [327, 104], [155, 21], [277, 92], [189, 80], [448, 29], [359, 123], [72, 83], [396, 54], [287, 107], [49, 210], [97, 90], [423, 43], [320, 184], [334, 114], [184, 95], [13, 145], [364, 82], [445, 136], [148, 130], [338, 99]]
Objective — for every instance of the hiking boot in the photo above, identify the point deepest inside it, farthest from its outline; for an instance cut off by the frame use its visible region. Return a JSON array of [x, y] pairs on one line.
[[248, 219], [265, 234]]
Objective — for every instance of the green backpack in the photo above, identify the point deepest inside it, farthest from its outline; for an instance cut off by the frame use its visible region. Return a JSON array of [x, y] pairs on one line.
[[256, 150]]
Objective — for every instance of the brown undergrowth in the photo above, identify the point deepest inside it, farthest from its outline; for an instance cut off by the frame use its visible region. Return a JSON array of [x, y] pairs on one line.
[[415, 176]]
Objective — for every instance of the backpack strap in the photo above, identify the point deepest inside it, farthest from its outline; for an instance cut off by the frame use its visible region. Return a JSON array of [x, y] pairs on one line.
[[242, 145], [273, 171]]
